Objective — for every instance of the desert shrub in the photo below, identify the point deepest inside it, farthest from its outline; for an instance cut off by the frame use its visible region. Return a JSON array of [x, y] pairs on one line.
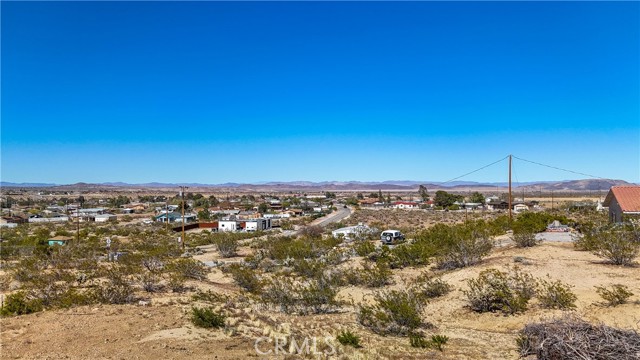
[[176, 282], [206, 318], [73, 297], [279, 292], [523, 238], [150, 282], [312, 232], [535, 222], [573, 338], [431, 287], [116, 290], [245, 278], [618, 246], [494, 290], [189, 268], [377, 275], [418, 340], [347, 338], [617, 295], [227, 246], [415, 254], [19, 303], [556, 295], [209, 296], [458, 245], [394, 312], [364, 248], [316, 296], [311, 268]]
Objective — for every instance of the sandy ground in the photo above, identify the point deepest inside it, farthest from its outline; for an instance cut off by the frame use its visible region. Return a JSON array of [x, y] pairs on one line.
[[163, 330]]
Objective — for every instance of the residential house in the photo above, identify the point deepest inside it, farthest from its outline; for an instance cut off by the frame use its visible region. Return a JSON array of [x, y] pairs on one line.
[[623, 201], [405, 205], [59, 240]]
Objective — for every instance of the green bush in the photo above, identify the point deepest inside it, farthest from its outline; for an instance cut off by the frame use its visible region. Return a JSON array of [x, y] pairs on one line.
[[206, 318], [348, 338], [618, 246], [396, 312], [430, 287], [116, 290], [417, 340], [375, 276], [494, 290], [227, 246], [245, 278], [556, 295], [617, 295], [189, 268], [524, 238], [458, 245], [364, 248], [19, 303]]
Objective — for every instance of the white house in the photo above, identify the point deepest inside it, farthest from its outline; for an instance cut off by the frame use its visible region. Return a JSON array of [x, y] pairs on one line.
[[228, 225], [405, 205], [520, 208], [105, 218], [257, 224]]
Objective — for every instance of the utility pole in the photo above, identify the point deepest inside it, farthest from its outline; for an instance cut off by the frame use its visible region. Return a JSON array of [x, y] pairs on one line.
[[182, 189], [510, 214]]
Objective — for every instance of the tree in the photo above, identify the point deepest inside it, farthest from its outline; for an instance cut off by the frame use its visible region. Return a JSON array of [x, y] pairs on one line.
[[263, 208], [204, 214], [424, 194], [476, 197], [445, 199], [360, 196], [380, 197]]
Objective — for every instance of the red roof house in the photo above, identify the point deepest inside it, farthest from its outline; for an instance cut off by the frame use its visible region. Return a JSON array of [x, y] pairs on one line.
[[623, 200]]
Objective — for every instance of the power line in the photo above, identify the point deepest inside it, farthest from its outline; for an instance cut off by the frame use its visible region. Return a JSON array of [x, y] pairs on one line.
[[561, 169], [476, 170]]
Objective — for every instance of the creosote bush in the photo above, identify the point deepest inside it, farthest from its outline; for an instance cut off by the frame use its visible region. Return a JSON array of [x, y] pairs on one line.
[[206, 318], [397, 312], [431, 287], [556, 295], [494, 290], [347, 338], [227, 246], [437, 341], [524, 238], [245, 278], [20, 303], [617, 295]]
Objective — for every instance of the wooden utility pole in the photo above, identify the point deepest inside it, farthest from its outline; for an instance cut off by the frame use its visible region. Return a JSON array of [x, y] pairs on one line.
[[510, 214], [182, 189]]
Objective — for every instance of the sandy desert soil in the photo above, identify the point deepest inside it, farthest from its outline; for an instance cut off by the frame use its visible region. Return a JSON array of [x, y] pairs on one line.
[[162, 330]]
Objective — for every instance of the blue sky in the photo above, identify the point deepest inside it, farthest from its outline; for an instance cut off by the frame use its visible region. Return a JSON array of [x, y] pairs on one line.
[[216, 92]]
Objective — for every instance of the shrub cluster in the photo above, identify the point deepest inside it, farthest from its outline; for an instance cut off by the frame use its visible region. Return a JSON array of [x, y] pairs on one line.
[[206, 318], [395, 312], [495, 290], [617, 295]]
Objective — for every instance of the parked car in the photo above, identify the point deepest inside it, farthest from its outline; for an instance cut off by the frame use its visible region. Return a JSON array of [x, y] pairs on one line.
[[390, 237]]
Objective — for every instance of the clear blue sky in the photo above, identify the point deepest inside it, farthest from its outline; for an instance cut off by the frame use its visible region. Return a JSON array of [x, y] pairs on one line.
[[217, 92]]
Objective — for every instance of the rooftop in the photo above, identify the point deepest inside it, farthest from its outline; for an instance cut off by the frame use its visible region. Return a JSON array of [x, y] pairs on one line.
[[627, 196]]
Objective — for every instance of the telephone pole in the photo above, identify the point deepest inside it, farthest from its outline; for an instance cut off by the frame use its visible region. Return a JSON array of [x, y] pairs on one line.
[[182, 189], [510, 215]]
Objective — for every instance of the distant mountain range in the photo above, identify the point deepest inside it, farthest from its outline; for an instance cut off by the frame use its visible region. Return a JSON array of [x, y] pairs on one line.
[[390, 185]]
